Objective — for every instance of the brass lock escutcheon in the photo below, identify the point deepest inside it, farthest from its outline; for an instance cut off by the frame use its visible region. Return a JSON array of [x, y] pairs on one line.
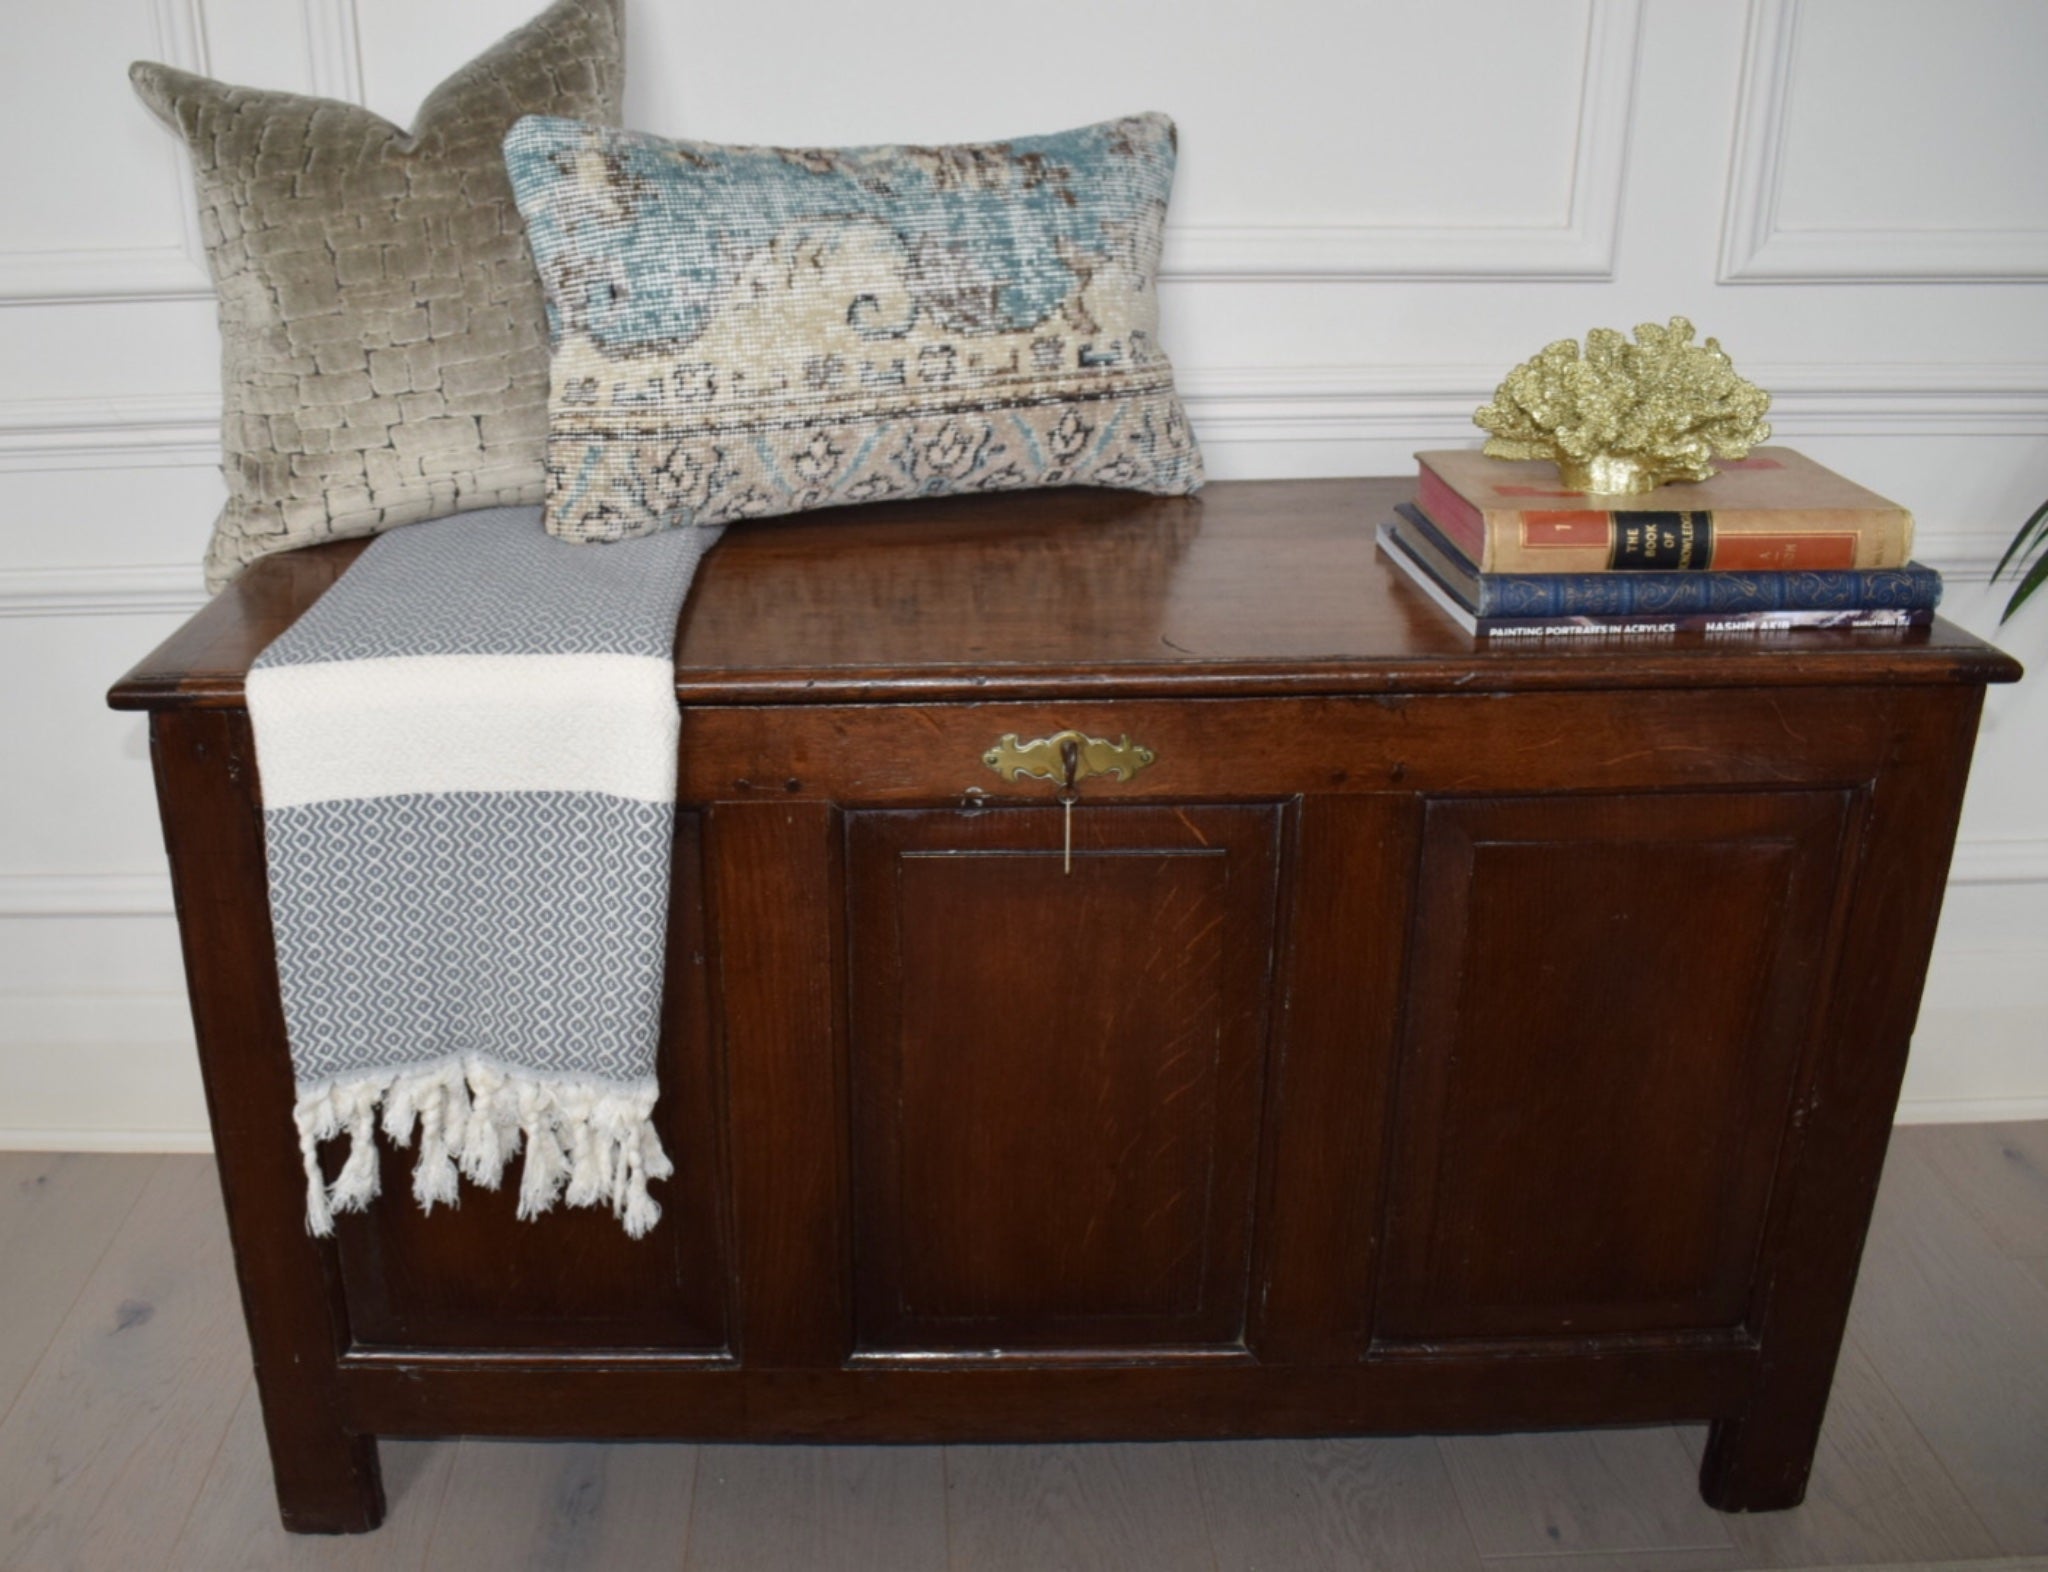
[[1067, 757]]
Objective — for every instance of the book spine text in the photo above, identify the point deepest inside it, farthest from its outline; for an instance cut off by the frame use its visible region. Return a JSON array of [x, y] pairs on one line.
[[1592, 540]]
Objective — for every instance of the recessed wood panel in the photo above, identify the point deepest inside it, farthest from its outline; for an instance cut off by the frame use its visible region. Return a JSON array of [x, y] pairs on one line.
[[1609, 998], [1836, 176], [474, 1276], [1057, 1074]]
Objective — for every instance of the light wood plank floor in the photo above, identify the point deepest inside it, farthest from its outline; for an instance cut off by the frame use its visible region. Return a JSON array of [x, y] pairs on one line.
[[130, 1436]]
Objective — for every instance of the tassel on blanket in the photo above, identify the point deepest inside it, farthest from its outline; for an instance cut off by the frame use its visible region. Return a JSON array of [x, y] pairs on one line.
[[491, 1137], [547, 1167], [439, 1101], [595, 1142], [339, 1106]]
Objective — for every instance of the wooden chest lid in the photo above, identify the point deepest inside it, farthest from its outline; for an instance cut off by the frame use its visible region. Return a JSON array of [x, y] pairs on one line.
[[1252, 587]]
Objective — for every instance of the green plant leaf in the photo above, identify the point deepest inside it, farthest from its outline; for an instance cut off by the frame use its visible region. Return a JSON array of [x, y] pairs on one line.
[[2029, 538], [2036, 576]]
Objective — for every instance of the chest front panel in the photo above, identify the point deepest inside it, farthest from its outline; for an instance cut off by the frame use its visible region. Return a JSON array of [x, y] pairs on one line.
[[1058, 1061], [1344, 1029]]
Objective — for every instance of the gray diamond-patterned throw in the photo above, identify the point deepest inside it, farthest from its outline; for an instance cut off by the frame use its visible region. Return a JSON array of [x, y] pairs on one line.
[[468, 759]]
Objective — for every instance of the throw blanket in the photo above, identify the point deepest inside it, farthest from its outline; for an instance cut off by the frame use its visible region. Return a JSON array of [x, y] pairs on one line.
[[468, 758]]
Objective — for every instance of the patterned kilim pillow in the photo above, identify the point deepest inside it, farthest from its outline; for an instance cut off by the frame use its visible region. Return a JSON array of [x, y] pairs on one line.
[[742, 331], [383, 340]]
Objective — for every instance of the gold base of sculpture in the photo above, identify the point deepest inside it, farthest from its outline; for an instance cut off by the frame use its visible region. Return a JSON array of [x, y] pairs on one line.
[[1621, 475]]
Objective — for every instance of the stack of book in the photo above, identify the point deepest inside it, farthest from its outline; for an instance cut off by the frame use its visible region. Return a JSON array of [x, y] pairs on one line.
[[1772, 541]]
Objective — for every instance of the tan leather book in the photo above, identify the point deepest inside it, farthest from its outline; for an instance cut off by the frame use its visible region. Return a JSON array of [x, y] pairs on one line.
[[1776, 511]]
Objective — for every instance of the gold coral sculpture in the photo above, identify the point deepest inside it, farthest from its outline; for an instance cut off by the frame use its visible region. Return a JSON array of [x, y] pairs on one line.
[[1624, 418]]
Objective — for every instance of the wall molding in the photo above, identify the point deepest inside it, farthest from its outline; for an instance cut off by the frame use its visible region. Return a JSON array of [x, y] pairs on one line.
[[178, 270], [1431, 406], [1945, 1110], [1757, 249], [120, 431], [116, 590], [167, 270], [1420, 406], [1999, 399], [177, 1142], [1981, 859], [38, 895], [1346, 403], [104, 275], [1580, 244], [1907, 399], [334, 49]]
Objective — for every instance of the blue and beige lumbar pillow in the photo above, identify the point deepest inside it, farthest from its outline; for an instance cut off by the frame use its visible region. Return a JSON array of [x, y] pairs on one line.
[[383, 346], [740, 331]]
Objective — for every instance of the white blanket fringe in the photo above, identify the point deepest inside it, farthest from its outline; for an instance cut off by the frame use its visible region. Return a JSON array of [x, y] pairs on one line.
[[586, 1143]]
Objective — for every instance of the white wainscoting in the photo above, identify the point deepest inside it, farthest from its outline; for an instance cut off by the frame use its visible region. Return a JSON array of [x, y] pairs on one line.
[[1380, 208], [53, 266], [1578, 242], [1881, 85]]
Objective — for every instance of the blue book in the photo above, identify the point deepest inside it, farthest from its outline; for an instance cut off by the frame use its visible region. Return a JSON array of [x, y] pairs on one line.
[[1587, 626], [1911, 588]]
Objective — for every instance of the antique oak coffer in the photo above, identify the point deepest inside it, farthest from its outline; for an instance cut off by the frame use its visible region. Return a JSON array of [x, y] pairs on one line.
[[1418, 1035]]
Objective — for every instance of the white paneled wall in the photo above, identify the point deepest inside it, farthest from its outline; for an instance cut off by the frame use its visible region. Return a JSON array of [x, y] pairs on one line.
[[1382, 205]]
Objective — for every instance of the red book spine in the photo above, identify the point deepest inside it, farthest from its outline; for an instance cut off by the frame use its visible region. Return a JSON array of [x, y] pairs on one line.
[[1452, 514]]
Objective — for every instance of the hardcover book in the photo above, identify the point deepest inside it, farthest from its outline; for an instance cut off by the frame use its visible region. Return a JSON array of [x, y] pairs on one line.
[[1911, 588], [1638, 624], [1775, 511]]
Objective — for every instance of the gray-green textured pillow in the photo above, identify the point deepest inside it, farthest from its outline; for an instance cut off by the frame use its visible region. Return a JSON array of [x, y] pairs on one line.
[[383, 345]]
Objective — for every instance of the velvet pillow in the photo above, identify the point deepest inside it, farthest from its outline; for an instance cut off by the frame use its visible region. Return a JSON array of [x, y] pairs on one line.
[[383, 346], [741, 331]]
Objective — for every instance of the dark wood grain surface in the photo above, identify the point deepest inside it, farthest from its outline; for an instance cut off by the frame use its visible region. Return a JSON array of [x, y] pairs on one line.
[[475, 1274], [1435, 1035], [1251, 587], [324, 1464], [1055, 1138], [1584, 1153]]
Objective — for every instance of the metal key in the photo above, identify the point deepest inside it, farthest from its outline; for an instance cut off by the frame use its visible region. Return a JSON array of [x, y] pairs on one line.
[[1070, 763]]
